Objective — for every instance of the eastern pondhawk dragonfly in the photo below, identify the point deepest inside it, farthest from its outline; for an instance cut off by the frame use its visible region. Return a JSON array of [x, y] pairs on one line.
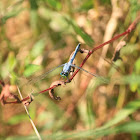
[[66, 68]]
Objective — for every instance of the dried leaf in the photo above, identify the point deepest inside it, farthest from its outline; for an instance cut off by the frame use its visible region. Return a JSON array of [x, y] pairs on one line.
[[27, 103], [55, 84], [116, 54], [6, 94]]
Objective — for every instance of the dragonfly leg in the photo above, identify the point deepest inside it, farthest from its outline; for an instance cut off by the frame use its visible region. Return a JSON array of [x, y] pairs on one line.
[[84, 51], [68, 80], [72, 70]]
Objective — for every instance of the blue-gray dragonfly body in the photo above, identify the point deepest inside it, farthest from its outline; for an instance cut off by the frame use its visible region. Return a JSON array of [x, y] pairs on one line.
[[67, 66]]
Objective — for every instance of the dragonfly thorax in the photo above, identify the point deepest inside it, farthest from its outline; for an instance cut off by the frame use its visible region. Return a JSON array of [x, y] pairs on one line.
[[66, 70], [64, 74]]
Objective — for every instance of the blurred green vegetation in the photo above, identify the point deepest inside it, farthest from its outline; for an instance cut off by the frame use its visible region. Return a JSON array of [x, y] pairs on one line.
[[36, 36]]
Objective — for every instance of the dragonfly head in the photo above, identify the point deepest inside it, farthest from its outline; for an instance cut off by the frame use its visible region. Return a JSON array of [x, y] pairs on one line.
[[64, 74]]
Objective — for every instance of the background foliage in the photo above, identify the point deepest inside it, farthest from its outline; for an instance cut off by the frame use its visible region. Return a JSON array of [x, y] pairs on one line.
[[36, 36]]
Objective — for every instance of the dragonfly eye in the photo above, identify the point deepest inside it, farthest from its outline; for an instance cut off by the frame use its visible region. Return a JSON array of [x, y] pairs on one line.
[[66, 74], [62, 73]]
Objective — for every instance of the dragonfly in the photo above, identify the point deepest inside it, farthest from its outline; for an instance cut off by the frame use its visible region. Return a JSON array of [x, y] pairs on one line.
[[66, 68]]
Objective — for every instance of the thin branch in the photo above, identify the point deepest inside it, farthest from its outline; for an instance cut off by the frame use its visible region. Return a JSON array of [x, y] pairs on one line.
[[34, 127]]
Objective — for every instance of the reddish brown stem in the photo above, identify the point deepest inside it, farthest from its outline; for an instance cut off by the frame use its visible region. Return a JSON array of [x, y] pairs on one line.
[[114, 38], [28, 97], [47, 89], [18, 101]]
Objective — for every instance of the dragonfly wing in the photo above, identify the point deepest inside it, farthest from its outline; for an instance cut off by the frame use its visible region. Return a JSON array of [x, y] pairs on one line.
[[40, 77], [109, 62], [95, 75], [85, 70]]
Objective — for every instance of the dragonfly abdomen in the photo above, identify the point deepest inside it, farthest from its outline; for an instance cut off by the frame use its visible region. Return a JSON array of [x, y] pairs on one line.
[[75, 52]]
